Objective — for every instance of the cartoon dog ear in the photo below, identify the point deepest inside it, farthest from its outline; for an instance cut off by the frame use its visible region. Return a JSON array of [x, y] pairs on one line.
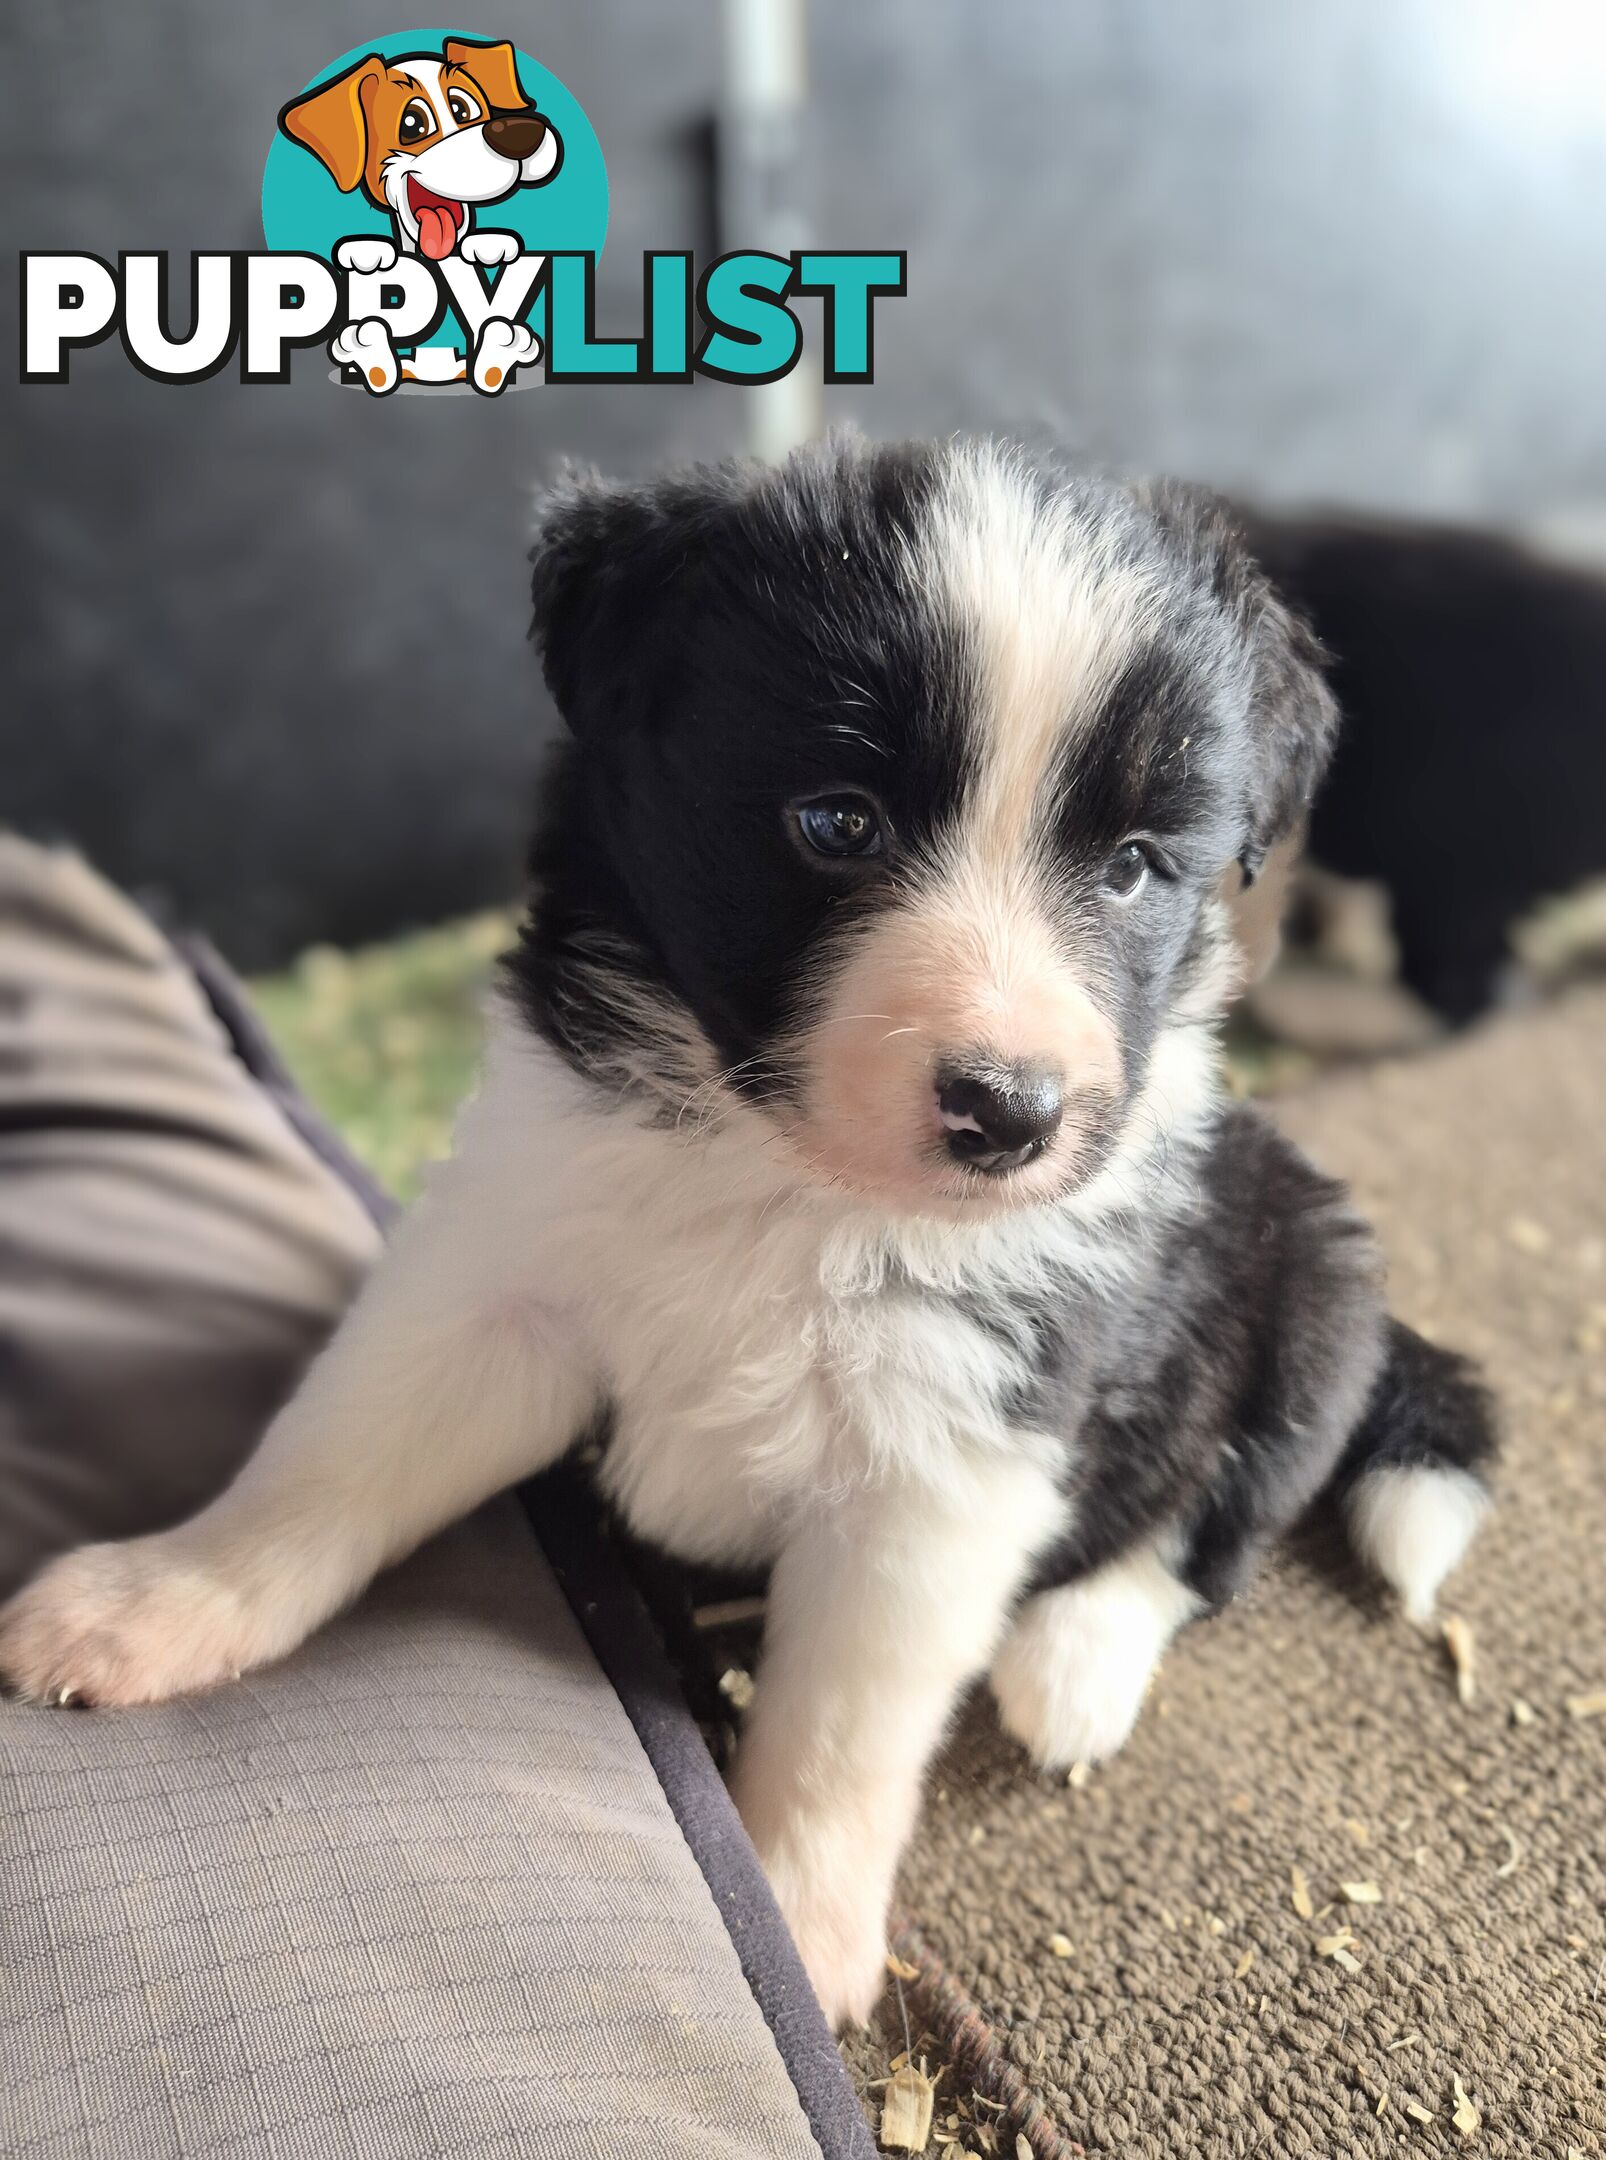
[[494, 67], [332, 122], [1293, 716]]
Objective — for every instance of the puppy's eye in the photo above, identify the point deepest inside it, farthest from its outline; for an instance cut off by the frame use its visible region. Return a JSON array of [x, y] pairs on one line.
[[840, 826], [1128, 869], [462, 107], [416, 122]]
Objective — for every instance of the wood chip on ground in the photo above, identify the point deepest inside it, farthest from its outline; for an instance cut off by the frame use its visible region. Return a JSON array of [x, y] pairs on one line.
[[1303, 1903], [1458, 1641], [906, 2111], [1527, 1235], [1337, 1947], [1587, 1706], [737, 1688], [1361, 1893], [728, 1612], [1466, 2117]]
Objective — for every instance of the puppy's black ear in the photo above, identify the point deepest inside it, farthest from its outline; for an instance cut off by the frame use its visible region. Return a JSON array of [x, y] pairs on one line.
[[1293, 717], [599, 564]]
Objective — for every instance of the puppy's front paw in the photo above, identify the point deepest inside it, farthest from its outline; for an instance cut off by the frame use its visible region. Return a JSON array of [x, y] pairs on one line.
[[366, 254], [120, 1624], [840, 1932], [489, 248]]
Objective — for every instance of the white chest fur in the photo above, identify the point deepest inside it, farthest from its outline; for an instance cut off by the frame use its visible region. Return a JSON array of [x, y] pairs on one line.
[[759, 1347]]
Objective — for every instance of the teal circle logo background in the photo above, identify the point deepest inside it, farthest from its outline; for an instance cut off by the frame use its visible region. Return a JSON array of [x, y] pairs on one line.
[[303, 212]]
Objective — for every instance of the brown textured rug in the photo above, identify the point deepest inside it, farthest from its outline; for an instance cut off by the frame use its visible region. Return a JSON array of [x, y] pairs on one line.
[[1197, 2010]]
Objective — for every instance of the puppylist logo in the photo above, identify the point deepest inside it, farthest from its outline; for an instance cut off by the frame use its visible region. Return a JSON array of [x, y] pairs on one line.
[[433, 208]]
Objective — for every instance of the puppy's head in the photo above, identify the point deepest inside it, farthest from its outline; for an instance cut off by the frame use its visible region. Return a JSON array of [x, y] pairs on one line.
[[428, 136], [910, 775]]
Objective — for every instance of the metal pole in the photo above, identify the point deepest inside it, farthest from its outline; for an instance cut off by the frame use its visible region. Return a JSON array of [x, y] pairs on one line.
[[763, 192]]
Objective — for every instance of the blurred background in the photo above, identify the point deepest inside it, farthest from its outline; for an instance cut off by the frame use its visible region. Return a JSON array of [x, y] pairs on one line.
[[264, 647]]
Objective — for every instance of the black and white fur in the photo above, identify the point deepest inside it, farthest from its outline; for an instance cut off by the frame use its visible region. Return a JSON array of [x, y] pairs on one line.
[[1028, 1420]]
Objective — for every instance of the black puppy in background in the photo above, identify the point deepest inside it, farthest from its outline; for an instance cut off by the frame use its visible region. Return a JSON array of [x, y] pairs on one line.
[[852, 1135], [1470, 775]]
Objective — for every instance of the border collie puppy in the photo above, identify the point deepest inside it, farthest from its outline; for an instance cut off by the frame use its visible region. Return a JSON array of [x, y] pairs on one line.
[[851, 1138]]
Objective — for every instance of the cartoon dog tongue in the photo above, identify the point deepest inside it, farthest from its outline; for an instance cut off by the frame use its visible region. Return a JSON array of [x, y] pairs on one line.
[[437, 229]]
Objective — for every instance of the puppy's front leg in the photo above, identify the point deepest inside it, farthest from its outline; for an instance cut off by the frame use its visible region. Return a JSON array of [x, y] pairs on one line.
[[881, 1608], [442, 1386]]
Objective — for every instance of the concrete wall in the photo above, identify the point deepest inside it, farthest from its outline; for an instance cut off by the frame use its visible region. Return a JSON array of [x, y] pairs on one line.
[[264, 648]]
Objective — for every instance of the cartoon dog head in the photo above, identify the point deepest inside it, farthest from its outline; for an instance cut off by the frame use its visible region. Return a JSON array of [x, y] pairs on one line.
[[427, 136]]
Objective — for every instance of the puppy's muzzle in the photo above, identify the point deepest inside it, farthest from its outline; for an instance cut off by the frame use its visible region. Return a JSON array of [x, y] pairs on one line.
[[516, 135], [999, 1117]]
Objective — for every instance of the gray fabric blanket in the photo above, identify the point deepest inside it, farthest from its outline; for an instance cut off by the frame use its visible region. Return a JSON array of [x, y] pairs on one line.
[[459, 1877]]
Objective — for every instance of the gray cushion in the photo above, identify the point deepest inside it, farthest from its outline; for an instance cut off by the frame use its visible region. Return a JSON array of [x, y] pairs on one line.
[[431, 1886], [415, 1891], [172, 1250]]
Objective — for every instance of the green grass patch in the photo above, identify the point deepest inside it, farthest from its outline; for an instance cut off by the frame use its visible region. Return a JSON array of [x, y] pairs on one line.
[[386, 1040]]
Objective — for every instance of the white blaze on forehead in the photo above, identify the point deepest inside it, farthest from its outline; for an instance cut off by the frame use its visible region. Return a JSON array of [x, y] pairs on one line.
[[427, 74], [978, 955], [1049, 614]]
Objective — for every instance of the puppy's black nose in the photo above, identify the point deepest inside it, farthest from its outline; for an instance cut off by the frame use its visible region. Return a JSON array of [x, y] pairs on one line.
[[515, 135], [1002, 1118]]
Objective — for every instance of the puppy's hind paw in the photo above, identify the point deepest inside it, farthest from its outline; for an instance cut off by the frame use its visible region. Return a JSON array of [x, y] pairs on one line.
[[366, 347], [502, 347], [1073, 1671]]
